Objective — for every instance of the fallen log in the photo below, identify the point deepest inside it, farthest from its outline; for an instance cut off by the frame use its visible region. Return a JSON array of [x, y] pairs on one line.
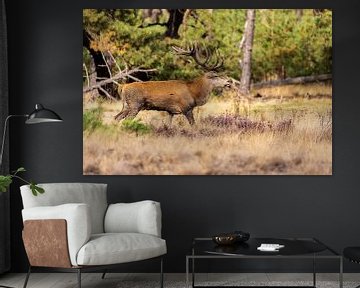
[[291, 81]]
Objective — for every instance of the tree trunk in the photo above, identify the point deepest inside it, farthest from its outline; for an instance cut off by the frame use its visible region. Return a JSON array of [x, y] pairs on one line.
[[154, 14], [299, 14], [98, 64], [146, 13], [247, 46], [175, 20]]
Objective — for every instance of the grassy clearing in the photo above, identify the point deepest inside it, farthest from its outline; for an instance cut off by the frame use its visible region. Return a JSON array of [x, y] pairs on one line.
[[270, 136]]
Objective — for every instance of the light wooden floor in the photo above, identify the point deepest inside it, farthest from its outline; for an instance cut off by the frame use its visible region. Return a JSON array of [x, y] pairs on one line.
[[113, 280]]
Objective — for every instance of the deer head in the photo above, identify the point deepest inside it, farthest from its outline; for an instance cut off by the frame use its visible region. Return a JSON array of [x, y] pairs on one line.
[[197, 52], [210, 61]]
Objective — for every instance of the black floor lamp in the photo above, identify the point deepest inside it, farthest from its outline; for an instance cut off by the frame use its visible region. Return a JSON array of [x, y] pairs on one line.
[[39, 115]]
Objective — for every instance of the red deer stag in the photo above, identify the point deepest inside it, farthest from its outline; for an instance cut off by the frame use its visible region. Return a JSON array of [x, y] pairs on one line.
[[175, 96]]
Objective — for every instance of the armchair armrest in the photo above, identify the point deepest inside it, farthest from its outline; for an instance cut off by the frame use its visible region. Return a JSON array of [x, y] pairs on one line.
[[138, 217], [77, 219]]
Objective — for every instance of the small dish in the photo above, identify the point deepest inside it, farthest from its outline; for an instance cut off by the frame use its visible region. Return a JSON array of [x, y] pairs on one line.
[[225, 239]]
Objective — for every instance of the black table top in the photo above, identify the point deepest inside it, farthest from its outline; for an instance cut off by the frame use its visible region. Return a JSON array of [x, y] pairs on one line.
[[292, 247]]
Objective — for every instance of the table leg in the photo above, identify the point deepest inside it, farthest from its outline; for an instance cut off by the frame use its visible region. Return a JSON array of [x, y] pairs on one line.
[[341, 273], [187, 272], [193, 272], [314, 271], [193, 267]]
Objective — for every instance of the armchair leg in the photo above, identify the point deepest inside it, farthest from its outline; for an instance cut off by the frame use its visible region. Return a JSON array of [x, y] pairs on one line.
[[103, 275], [79, 277], [27, 277], [161, 273]]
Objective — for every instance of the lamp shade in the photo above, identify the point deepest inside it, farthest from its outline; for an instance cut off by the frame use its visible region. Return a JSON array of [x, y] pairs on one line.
[[42, 115]]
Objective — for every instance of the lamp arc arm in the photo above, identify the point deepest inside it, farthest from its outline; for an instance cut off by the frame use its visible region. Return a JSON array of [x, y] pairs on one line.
[[4, 133]]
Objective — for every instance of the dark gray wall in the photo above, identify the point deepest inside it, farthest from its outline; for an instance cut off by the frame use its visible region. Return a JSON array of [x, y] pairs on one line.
[[45, 50]]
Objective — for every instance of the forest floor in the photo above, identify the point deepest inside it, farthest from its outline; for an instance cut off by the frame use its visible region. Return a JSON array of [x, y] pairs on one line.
[[277, 131]]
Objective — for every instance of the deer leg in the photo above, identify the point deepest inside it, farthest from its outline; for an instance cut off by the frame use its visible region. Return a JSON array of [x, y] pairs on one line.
[[132, 113], [190, 117], [122, 114], [171, 116]]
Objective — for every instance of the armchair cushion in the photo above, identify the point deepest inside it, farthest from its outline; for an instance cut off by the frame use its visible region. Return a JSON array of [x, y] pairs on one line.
[[92, 194], [77, 218], [113, 248], [138, 217]]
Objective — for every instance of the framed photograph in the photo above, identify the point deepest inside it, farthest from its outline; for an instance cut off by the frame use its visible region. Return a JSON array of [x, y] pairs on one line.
[[207, 92]]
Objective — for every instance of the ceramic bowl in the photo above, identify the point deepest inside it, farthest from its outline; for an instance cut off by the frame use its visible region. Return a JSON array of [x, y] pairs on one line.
[[225, 239]]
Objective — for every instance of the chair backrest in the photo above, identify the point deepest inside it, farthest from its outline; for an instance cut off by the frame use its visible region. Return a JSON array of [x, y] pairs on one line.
[[62, 193]]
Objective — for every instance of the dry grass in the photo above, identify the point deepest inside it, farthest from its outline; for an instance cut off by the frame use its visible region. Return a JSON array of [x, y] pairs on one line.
[[275, 136]]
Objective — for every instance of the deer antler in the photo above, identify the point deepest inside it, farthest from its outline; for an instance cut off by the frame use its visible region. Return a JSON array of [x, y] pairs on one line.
[[181, 51], [197, 52]]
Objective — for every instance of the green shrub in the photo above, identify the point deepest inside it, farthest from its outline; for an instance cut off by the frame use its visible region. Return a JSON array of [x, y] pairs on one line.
[[133, 125], [92, 119]]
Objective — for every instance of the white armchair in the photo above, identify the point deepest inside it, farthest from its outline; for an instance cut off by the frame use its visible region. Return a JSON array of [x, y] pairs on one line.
[[72, 228]]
